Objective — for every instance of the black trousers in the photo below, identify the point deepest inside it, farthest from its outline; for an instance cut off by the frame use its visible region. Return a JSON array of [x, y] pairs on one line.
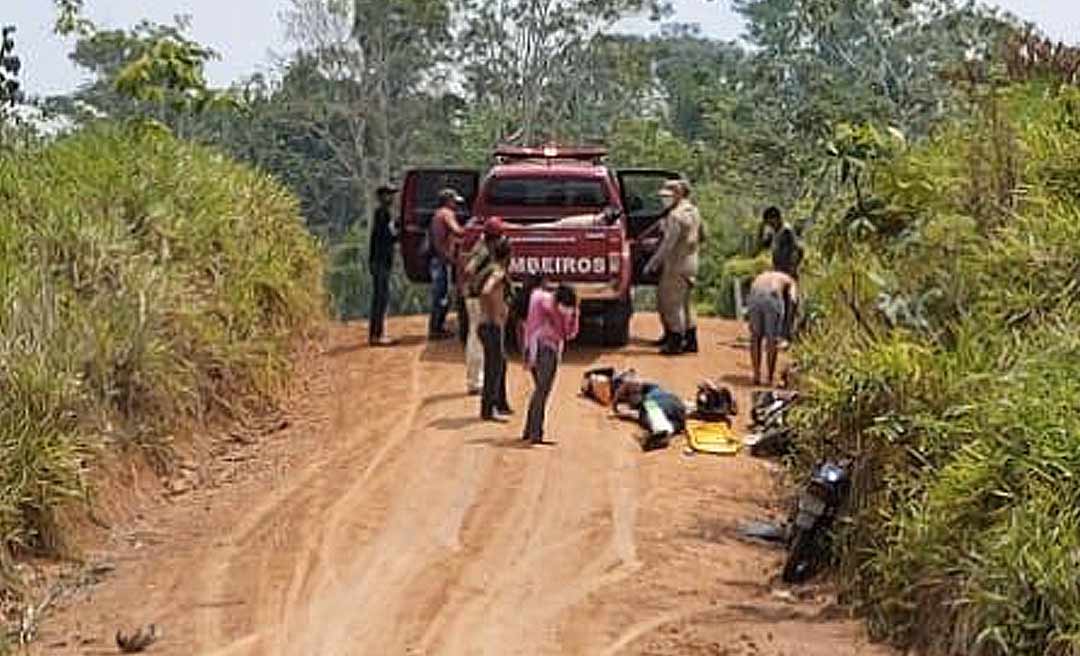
[[494, 395], [543, 372], [380, 300]]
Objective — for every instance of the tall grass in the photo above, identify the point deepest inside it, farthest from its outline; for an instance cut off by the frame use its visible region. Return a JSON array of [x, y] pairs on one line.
[[145, 284], [949, 361]]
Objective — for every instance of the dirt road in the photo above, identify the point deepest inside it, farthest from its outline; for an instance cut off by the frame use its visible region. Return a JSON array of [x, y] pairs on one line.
[[387, 520]]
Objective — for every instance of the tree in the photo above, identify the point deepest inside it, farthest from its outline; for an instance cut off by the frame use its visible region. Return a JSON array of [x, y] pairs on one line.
[[537, 62], [69, 18], [379, 61], [153, 73], [9, 68], [13, 130], [814, 64]]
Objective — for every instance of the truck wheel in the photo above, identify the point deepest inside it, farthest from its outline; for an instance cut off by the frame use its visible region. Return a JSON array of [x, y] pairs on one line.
[[617, 323]]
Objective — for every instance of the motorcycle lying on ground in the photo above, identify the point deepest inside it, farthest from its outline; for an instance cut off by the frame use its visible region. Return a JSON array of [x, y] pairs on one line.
[[815, 513], [768, 412]]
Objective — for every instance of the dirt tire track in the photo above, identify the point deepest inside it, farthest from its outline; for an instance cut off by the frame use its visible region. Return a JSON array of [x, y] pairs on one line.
[[390, 521]]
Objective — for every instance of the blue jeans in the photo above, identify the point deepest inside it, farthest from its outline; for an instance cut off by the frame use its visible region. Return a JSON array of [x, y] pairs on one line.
[[672, 406], [440, 294]]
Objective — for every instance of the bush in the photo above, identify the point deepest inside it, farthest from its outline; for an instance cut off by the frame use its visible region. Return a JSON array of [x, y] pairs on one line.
[[948, 359], [145, 284]]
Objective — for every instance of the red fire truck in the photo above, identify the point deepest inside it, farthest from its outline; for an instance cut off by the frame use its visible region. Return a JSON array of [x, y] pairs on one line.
[[613, 225]]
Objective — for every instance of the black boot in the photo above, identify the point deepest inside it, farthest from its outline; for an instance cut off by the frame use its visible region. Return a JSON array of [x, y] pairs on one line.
[[690, 345], [674, 345]]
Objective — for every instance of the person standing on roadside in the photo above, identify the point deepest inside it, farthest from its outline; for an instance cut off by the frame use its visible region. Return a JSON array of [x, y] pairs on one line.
[[445, 229], [477, 267], [786, 252], [381, 264], [787, 255], [494, 311], [772, 294], [552, 320], [677, 261]]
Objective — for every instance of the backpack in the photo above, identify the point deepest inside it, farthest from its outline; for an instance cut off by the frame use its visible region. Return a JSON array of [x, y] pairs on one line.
[[598, 385], [715, 403]]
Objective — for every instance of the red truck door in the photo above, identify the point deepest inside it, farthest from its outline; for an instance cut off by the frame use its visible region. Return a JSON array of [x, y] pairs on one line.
[[419, 200], [640, 196]]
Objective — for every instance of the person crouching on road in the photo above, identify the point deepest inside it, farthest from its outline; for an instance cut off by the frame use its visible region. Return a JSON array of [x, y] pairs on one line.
[[772, 296], [494, 311], [381, 263], [477, 268], [677, 260], [552, 320], [444, 230]]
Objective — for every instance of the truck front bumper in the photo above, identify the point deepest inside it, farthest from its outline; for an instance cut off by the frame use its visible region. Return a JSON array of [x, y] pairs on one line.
[[600, 291]]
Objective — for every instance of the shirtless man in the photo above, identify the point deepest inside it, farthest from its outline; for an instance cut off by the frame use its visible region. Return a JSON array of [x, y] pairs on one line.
[[772, 297], [444, 231], [491, 329]]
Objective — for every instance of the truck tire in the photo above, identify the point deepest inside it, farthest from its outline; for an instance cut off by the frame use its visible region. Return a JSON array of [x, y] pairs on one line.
[[617, 323]]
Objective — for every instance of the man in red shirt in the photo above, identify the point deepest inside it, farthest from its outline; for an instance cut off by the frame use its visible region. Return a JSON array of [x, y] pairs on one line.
[[444, 230]]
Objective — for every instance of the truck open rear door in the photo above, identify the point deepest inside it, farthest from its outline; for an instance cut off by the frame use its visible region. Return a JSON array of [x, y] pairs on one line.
[[419, 200], [644, 209]]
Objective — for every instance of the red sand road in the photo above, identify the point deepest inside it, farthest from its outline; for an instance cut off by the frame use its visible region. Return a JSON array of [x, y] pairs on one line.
[[387, 520]]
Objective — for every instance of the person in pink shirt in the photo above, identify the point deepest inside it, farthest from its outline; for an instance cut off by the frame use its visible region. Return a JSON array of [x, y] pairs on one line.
[[552, 320]]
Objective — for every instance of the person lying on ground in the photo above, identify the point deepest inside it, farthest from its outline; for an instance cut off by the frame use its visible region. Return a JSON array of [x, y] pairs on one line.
[[772, 296], [634, 391], [552, 320]]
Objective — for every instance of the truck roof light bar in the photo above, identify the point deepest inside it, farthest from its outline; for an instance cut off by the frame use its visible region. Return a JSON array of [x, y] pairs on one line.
[[506, 153]]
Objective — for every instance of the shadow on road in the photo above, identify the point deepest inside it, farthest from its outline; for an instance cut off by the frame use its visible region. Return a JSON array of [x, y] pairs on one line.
[[742, 380], [502, 443], [455, 423], [439, 398], [361, 345]]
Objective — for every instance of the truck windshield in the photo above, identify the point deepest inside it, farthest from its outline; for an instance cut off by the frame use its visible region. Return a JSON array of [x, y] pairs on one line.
[[547, 192]]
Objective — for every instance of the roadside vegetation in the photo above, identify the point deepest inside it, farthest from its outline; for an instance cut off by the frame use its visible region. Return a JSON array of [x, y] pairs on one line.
[[148, 285], [947, 359], [158, 261]]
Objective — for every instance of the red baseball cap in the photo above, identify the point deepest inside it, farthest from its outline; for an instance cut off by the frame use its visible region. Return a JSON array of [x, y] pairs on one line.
[[493, 226]]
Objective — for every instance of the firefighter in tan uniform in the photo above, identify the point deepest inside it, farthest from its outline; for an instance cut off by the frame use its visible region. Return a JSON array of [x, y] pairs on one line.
[[677, 260]]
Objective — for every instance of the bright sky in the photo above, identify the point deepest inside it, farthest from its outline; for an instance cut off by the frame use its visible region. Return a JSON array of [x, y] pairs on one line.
[[247, 32]]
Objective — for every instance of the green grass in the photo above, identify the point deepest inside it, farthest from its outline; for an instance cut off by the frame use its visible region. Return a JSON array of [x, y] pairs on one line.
[[958, 389], [146, 285]]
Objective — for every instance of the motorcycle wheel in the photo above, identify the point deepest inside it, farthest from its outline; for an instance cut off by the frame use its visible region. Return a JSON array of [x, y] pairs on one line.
[[802, 557]]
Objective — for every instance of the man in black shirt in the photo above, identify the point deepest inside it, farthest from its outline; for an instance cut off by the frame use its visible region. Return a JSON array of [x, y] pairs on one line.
[[381, 263], [787, 254]]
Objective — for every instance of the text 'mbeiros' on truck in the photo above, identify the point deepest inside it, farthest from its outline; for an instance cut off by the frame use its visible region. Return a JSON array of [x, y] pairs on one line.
[[570, 218]]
